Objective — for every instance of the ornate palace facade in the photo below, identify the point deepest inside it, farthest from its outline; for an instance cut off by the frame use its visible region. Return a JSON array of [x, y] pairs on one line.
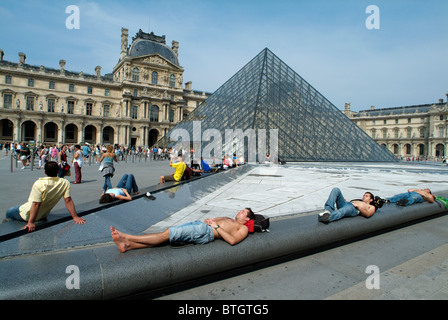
[[135, 105], [418, 132]]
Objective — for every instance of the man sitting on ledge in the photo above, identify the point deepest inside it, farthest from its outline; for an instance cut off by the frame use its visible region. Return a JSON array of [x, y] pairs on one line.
[[45, 194], [230, 230]]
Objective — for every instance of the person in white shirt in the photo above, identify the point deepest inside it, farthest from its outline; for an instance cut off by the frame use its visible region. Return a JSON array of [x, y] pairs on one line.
[[77, 163]]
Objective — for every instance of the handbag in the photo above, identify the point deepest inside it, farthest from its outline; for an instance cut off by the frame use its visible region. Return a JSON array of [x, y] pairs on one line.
[[66, 169]]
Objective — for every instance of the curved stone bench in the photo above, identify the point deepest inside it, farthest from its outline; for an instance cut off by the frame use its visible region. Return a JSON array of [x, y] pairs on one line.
[[105, 273]]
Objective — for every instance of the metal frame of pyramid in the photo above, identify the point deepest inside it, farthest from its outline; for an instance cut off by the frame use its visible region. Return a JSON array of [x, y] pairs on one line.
[[267, 94]]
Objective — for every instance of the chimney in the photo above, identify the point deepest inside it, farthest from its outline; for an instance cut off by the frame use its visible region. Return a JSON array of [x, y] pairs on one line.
[[175, 47], [188, 85], [22, 58], [124, 42], [372, 107], [98, 71], [440, 100], [1, 54], [62, 65]]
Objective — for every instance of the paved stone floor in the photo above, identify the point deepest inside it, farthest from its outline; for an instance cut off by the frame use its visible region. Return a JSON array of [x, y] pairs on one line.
[[16, 185], [412, 262]]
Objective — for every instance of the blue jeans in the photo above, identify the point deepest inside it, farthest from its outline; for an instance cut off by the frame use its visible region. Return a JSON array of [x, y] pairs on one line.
[[412, 197], [107, 184], [192, 232], [338, 207], [127, 181], [13, 213]]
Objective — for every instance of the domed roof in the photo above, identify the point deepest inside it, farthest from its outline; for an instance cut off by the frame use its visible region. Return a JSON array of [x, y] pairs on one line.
[[148, 43]]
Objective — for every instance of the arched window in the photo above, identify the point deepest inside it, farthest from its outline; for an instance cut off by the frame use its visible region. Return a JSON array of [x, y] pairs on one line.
[[172, 81], [135, 74], [154, 114], [154, 77]]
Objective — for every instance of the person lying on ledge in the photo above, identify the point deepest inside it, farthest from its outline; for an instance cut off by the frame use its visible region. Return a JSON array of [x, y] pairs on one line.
[[232, 231], [123, 190], [411, 197], [337, 208]]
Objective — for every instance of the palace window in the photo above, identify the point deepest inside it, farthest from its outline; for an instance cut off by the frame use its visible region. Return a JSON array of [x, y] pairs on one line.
[[107, 92], [106, 110], [8, 79], [422, 132], [51, 85], [154, 114], [51, 105], [7, 101], [134, 112], [172, 81], [71, 87], [89, 90], [89, 109], [135, 74], [70, 107], [154, 77], [30, 103], [30, 82], [171, 115]]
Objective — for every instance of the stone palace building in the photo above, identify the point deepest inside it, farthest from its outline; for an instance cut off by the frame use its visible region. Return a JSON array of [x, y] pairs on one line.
[[135, 105], [416, 132]]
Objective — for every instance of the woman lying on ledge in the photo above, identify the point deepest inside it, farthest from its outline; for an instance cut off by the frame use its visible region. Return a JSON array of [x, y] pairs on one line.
[[122, 191]]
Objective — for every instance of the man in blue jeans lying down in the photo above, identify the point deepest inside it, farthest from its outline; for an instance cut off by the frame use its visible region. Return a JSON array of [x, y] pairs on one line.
[[411, 197], [230, 230], [337, 208]]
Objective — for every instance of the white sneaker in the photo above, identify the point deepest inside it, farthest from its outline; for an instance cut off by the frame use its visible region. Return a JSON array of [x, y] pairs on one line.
[[324, 216], [322, 213]]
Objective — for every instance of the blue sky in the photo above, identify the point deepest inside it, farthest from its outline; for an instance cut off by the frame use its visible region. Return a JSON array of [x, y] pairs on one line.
[[326, 42]]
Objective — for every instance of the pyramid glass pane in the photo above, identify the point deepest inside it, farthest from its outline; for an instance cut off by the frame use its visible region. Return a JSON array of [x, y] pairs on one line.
[[267, 94]]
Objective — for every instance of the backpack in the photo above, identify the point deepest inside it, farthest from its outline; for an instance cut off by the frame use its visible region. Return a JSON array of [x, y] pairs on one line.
[[187, 173], [378, 202], [261, 223]]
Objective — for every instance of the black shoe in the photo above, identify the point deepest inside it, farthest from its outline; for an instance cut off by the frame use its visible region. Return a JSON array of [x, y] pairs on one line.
[[150, 196], [402, 202]]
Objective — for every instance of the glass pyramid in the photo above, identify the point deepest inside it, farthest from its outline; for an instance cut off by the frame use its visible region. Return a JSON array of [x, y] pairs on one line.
[[267, 94]]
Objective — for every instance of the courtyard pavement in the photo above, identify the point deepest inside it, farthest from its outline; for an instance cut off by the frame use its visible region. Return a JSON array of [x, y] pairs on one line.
[[415, 258]]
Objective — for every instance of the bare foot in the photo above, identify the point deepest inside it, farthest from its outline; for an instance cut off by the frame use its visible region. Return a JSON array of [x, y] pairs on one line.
[[119, 240]]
